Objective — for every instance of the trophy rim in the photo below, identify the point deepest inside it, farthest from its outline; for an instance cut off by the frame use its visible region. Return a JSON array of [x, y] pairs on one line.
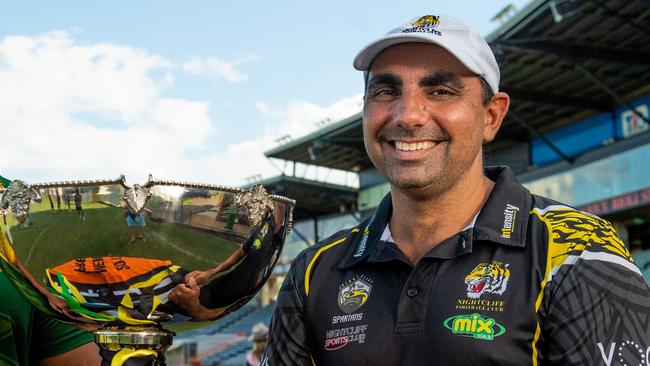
[[151, 181], [128, 337]]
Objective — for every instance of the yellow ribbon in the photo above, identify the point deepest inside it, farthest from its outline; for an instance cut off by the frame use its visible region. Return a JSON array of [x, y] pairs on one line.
[[6, 250], [125, 305], [122, 356], [127, 302]]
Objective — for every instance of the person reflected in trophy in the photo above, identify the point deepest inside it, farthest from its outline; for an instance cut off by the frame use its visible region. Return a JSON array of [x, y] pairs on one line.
[[66, 199], [78, 198], [49, 197], [230, 282], [136, 222], [58, 200]]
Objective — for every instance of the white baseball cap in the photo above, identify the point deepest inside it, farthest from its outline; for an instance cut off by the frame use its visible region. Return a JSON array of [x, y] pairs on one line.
[[463, 42]]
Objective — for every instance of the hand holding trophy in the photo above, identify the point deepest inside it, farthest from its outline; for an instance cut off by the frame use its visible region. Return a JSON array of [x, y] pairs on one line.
[[205, 252]]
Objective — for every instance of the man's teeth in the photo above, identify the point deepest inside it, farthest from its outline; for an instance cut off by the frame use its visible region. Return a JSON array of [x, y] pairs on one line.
[[405, 146]]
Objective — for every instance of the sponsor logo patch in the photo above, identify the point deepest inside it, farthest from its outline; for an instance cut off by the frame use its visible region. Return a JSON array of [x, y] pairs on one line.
[[480, 305], [489, 277], [362, 243], [339, 338], [626, 352], [257, 244], [509, 220], [474, 326], [354, 293], [347, 318]]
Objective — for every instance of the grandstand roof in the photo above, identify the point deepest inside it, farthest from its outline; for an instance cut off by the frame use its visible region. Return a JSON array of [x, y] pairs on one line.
[[340, 143], [313, 198], [559, 72], [561, 61]]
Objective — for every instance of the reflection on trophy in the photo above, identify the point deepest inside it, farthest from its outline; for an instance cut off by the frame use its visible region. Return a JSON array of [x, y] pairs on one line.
[[206, 252]]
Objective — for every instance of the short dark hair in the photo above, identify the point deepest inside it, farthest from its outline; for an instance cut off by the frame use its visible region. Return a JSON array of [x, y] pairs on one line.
[[487, 92]]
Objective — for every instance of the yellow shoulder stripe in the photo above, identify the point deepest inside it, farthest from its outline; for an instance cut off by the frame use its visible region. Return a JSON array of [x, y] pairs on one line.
[[318, 253], [313, 260]]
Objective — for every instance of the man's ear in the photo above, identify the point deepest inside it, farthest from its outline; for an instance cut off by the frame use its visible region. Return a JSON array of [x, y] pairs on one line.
[[495, 113]]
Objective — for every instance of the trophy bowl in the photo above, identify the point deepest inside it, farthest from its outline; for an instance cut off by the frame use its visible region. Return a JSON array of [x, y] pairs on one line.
[[137, 264]]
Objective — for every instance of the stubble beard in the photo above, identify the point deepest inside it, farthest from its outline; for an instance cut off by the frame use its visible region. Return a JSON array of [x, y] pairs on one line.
[[432, 180]]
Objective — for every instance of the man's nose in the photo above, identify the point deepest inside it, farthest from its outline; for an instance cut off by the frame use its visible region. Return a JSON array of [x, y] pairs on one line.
[[411, 111]]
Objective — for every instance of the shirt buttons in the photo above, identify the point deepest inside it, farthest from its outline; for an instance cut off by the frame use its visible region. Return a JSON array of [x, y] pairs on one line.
[[412, 292]]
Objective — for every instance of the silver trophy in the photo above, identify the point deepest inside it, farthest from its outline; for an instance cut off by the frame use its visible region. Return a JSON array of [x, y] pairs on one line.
[[137, 264]]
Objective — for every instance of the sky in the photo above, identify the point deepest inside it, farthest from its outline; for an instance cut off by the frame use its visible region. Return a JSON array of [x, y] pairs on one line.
[[193, 91]]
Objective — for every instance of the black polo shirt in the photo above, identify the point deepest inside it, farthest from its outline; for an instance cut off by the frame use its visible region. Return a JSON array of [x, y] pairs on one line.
[[529, 282]]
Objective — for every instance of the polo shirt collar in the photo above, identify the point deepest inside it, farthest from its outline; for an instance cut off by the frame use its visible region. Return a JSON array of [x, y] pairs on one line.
[[503, 220], [368, 240], [504, 216]]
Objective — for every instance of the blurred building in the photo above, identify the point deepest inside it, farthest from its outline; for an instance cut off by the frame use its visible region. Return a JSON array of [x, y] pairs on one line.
[[578, 73]]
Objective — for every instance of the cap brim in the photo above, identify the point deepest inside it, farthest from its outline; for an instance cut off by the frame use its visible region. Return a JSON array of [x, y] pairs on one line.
[[366, 56]]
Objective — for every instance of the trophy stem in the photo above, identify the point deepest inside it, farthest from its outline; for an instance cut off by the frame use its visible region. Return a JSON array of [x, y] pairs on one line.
[[133, 346]]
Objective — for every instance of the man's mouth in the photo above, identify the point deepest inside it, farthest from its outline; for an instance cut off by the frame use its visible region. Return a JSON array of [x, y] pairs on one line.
[[413, 146]]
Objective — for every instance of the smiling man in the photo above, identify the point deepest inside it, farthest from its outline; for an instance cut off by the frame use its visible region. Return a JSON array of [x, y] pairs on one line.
[[460, 264]]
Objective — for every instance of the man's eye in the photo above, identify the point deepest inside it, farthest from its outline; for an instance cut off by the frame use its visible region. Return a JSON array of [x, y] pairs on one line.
[[384, 92], [441, 92]]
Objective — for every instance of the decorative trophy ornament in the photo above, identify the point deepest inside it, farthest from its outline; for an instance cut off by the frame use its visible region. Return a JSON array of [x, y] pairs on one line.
[[137, 264]]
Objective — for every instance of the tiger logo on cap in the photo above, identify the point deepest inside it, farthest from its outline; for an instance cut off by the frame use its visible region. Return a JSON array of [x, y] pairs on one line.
[[427, 21]]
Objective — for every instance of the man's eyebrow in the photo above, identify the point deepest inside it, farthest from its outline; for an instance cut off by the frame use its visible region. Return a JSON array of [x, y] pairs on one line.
[[442, 78], [384, 79]]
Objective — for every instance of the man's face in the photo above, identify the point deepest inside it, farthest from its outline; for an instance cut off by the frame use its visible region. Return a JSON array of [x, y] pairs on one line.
[[423, 119]]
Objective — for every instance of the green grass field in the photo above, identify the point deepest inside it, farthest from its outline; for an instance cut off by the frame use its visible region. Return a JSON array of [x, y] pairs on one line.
[[55, 237]]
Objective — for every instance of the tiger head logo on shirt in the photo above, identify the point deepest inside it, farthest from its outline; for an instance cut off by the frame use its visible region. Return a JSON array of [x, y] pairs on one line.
[[487, 277]]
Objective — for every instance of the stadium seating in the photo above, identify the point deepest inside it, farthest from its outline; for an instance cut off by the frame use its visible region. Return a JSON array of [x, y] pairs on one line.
[[234, 354], [240, 322]]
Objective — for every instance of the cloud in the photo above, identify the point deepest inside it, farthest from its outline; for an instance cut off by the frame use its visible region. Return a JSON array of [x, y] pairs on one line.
[[217, 68], [77, 110], [299, 117], [81, 111], [245, 159]]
